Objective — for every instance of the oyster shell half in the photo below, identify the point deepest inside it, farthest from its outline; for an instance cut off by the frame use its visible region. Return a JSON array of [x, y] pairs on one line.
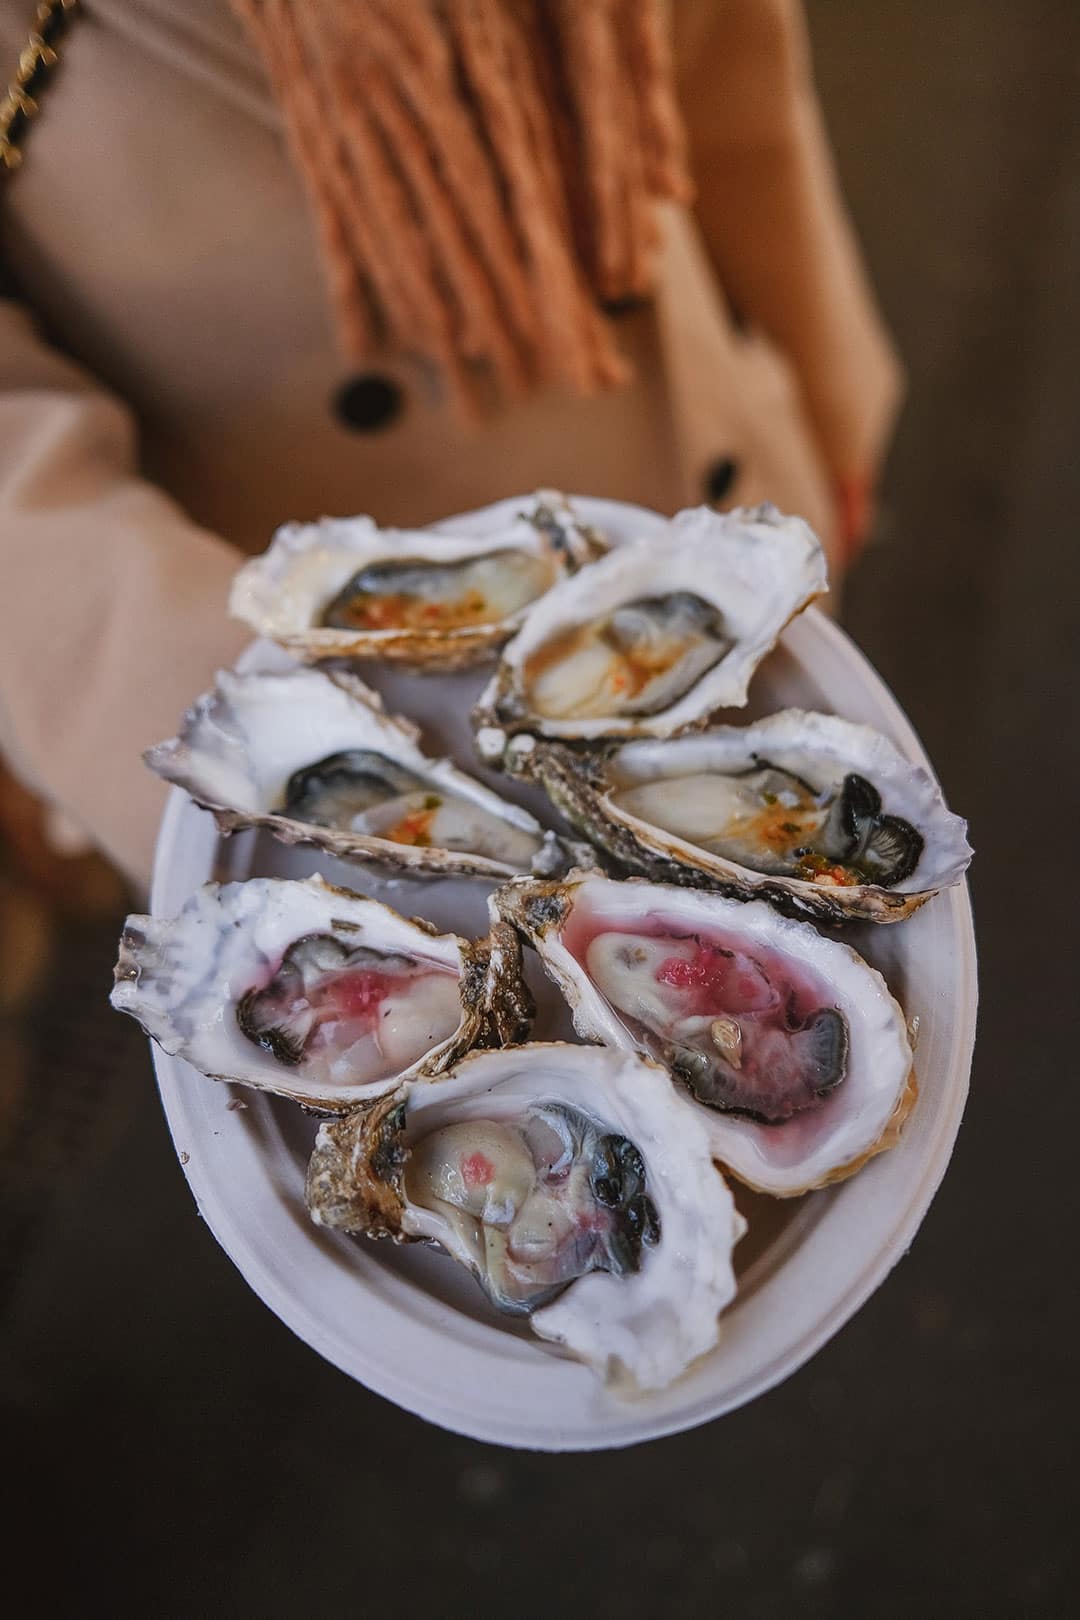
[[312, 757], [792, 1046], [344, 588], [656, 636], [574, 1182], [822, 817], [313, 992]]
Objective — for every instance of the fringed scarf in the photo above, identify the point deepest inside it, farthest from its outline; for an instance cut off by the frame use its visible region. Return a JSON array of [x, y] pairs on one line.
[[483, 174]]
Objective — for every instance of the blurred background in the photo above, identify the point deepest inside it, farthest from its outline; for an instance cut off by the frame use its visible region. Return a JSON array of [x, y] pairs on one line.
[[189, 1457]]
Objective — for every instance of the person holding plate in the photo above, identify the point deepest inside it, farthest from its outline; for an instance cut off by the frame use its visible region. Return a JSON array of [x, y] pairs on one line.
[[271, 259]]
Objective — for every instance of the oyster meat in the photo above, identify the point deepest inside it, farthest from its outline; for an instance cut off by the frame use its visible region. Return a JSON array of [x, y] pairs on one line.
[[313, 757], [821, 816], [345, 588], [574, 1183], [791, 1044], [657, 635], [313, 992]]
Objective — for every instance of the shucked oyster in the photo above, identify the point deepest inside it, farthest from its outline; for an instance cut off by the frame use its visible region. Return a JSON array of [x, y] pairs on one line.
[[790, 1042], [312, 992], [574, 1183], [345, 588], [659, 634], [312, 757], [820, 816]]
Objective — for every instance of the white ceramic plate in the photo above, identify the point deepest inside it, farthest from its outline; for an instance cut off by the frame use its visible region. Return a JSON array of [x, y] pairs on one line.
[[410, 1324]]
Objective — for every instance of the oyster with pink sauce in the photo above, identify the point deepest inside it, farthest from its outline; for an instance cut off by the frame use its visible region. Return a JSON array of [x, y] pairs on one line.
[[573, 1182], [792, 1047], [313, 992]]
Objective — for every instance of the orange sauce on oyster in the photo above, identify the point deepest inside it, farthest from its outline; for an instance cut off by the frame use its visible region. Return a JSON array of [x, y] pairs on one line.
[[401, 611], [415, 828], [628, 673]]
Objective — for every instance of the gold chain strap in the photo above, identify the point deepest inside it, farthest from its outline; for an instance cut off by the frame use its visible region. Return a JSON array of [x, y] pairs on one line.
[[37, 59]]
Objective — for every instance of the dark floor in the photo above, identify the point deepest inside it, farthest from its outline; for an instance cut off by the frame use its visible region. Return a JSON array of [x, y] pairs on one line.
[[187, 1457]]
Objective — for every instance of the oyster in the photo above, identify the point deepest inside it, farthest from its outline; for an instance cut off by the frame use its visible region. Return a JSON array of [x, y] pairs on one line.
[[311, 991], [790, 1043], [820, 816], [312, 757], [574, 1182], [345, 588], [657, 635]]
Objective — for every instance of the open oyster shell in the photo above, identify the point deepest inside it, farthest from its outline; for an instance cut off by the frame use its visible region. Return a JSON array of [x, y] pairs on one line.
[[656, 636], [801, 809], [313, 992], [795, 1051], [312, 757], [344, 588], [574, 1182]]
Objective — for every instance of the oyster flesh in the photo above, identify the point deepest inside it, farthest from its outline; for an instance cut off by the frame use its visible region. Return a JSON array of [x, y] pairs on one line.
[[344, 588], [656, 636], [790, 1043], [312, 992], [822, 817], [575, 1184], [313, 757]]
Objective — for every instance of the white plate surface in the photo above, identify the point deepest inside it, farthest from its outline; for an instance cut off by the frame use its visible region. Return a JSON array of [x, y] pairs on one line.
[[407, 1322]]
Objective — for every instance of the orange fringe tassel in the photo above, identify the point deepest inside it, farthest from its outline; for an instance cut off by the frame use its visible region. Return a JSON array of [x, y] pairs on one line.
[[482, 174]]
